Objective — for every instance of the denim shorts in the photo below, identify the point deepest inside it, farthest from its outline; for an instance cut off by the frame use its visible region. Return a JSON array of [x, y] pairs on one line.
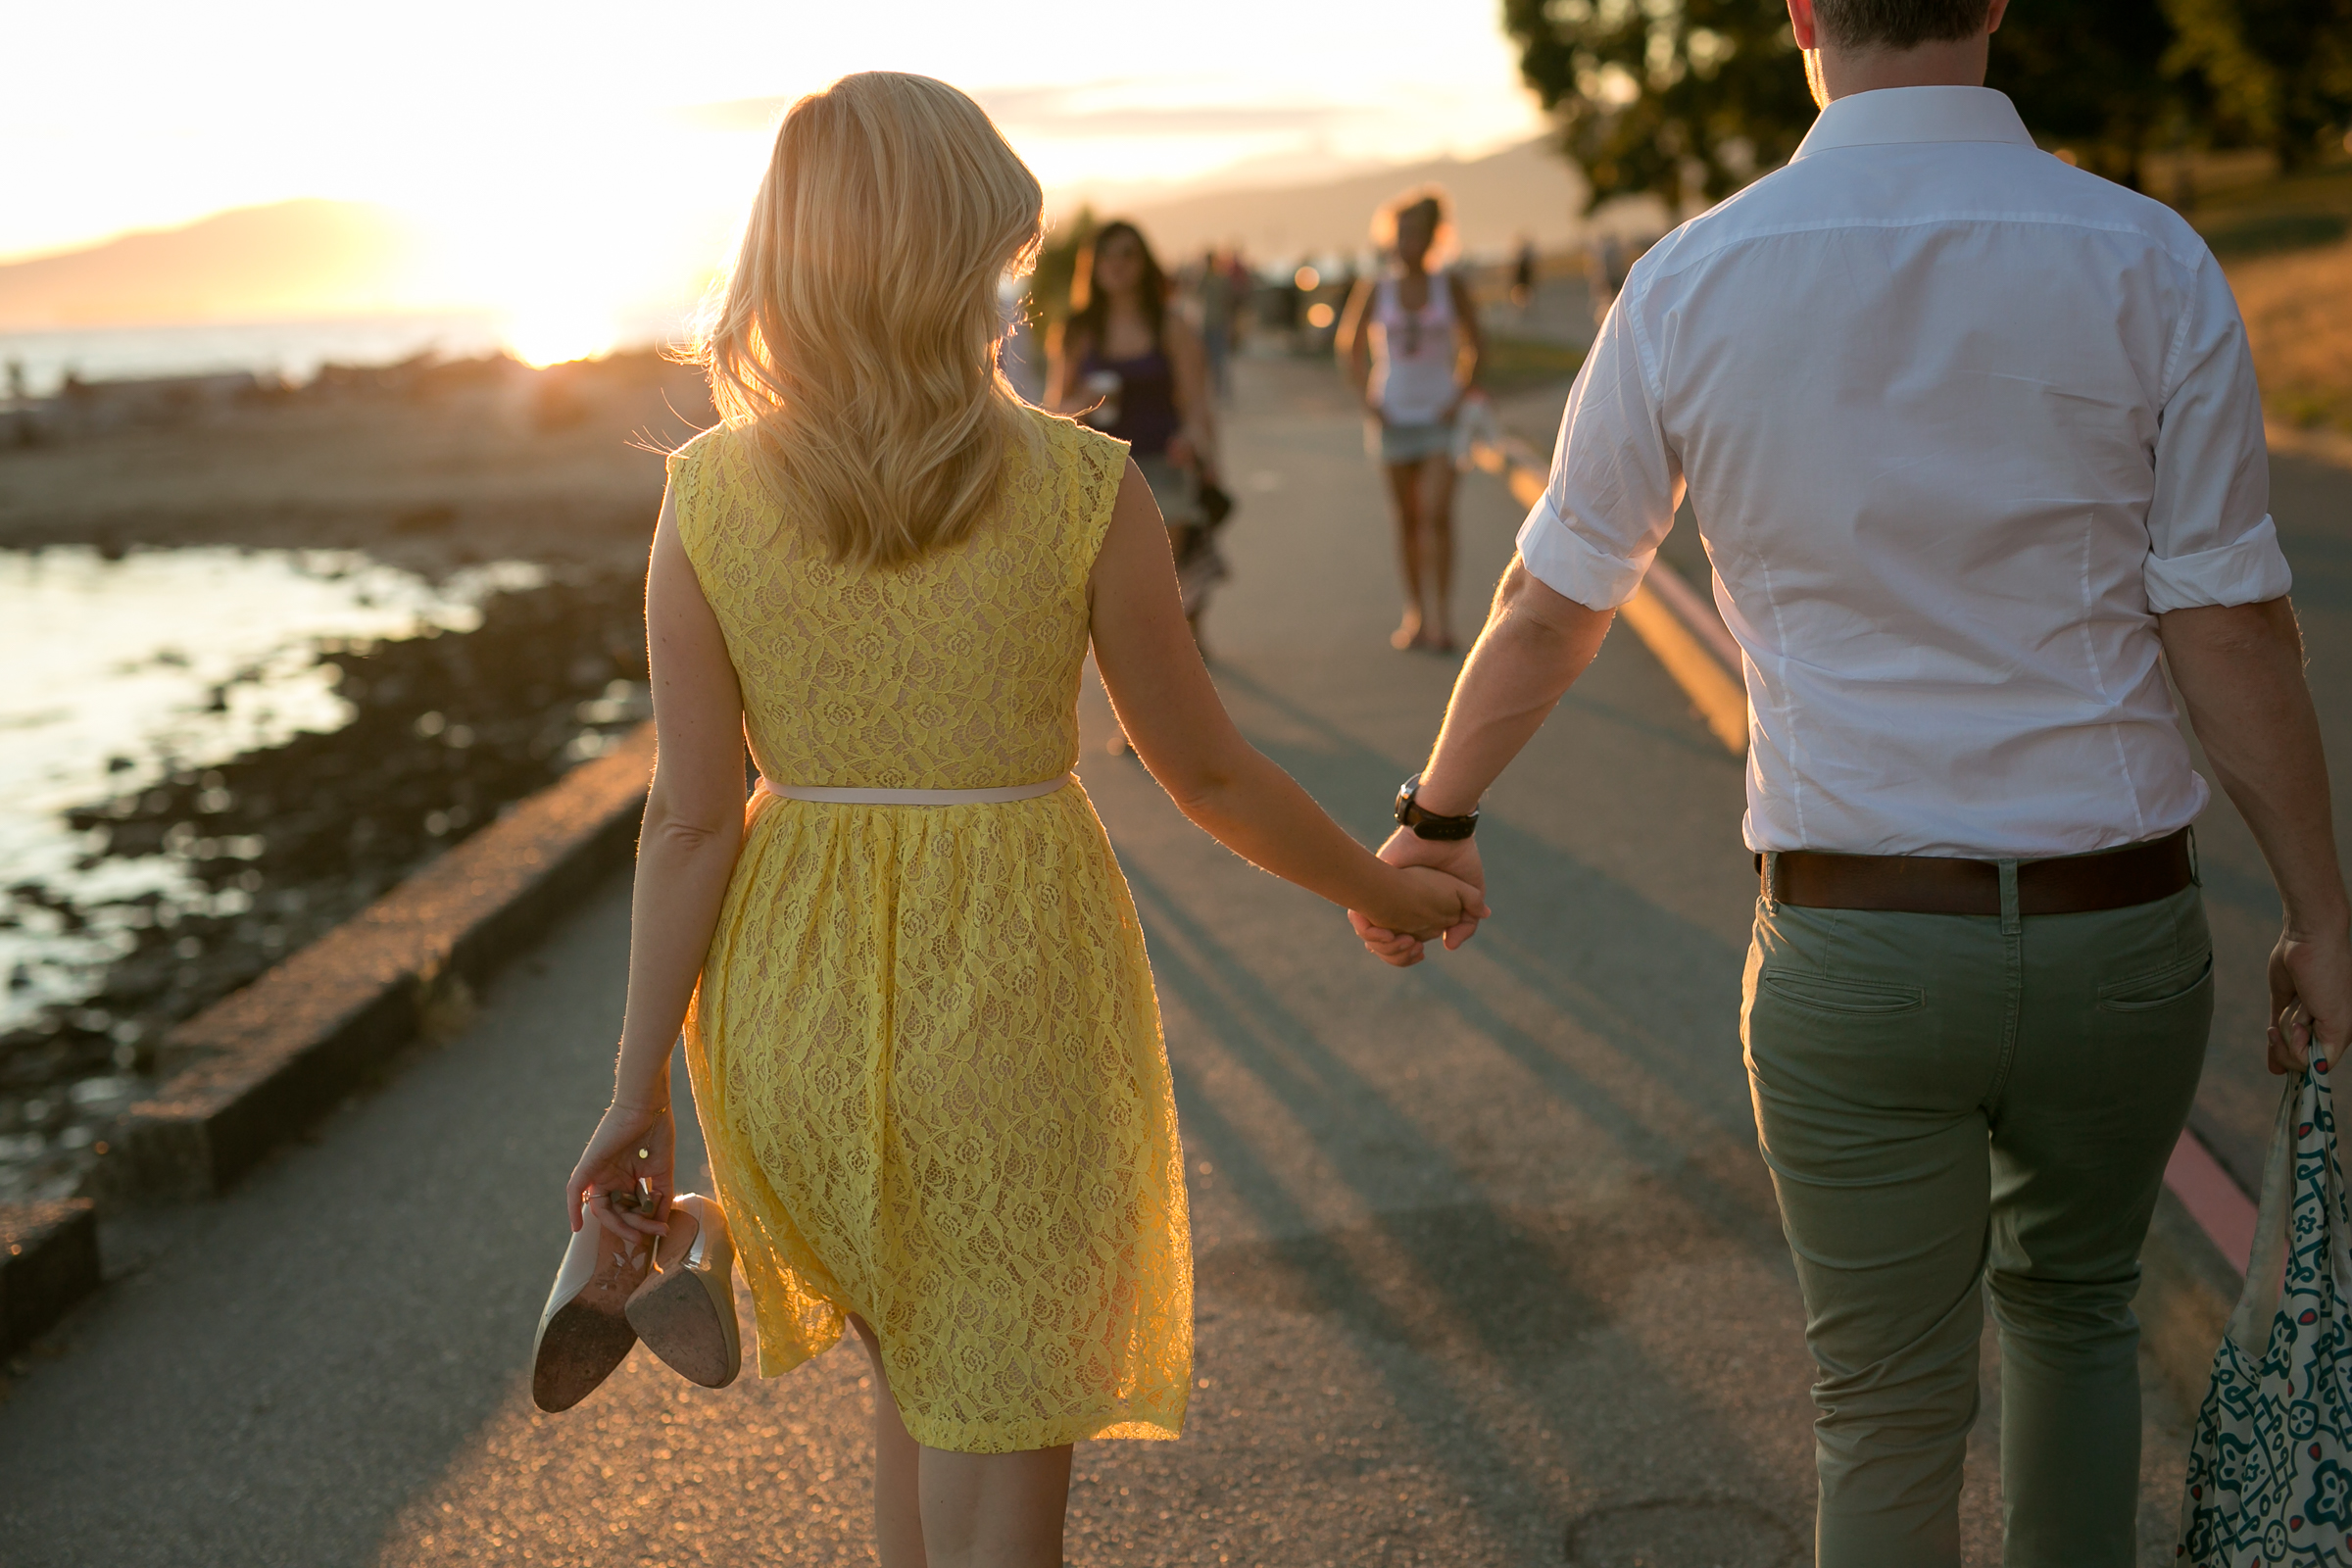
[[1401, 444]]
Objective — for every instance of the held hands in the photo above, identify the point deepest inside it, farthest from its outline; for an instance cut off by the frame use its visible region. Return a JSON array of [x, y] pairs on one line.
[[1431, 869], [2311, 1001], [626, 1171]]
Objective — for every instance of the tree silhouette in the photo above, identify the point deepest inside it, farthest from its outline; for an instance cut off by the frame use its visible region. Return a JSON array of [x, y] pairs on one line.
[[1674, 98], [1683, 98], [2280, 70]]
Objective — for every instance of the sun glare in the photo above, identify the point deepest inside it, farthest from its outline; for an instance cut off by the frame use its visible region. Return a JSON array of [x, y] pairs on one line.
[[551, 331]]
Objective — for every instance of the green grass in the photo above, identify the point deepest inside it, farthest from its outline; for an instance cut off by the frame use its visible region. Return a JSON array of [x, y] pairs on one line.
[[2274, 212], [1519, 364], [2270, 233]]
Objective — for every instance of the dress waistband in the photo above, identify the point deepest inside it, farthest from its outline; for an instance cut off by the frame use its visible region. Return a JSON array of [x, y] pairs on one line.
[[828, 795]]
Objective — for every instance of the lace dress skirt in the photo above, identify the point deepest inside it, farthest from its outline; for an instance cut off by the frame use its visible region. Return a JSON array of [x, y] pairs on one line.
[[927, 1059]]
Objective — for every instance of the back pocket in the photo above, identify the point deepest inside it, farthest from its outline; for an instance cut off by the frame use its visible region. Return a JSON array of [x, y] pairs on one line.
[[2162, 988], [1823, 993]]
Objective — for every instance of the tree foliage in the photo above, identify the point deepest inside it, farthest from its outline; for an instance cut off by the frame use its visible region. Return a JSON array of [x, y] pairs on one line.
[[1683, 98], [2088, 75], [1675, 98], [2279, 71]]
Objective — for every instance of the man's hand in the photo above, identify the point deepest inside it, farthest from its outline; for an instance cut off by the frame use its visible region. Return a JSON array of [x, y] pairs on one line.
[[1457, 858], [2311, 1001]]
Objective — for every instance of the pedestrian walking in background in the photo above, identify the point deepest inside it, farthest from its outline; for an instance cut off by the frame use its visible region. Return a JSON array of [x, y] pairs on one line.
[[1410, 344], [1523, 274], [1127, 365], [1606, 260], [917, 1015], [1974, 442], [1217, 305]]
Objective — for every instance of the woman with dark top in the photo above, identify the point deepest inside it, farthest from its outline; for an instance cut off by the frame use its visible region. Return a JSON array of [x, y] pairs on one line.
[[1128, 366]]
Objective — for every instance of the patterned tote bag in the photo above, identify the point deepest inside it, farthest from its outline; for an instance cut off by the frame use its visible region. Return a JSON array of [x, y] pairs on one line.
[[2270, 1470]]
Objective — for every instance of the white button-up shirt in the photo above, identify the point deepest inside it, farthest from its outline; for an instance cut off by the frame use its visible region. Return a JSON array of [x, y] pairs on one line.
[[1957, 422]]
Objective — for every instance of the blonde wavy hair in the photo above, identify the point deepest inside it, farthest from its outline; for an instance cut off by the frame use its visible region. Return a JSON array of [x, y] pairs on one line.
[[856, 341]]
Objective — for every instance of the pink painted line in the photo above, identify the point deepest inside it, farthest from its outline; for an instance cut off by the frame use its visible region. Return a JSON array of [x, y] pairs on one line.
[[2219, 1205]]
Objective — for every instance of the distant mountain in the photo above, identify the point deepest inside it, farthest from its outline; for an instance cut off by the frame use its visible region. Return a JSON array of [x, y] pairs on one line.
[[1524, 190], [292, 259], [325, 258]]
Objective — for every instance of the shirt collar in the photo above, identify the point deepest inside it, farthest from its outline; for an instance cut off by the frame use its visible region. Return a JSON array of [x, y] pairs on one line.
[[1915, 114]]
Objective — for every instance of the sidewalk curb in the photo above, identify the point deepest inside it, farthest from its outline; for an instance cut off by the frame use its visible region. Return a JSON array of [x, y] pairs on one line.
[[2188, 1290], [2189, 1276], [48, 1261], [267, 1060]]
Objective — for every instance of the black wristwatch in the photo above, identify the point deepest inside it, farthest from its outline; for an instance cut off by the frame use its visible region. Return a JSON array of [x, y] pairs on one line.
[[1428, 824]]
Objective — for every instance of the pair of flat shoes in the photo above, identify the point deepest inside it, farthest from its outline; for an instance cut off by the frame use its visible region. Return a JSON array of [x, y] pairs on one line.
[[676, 1293]]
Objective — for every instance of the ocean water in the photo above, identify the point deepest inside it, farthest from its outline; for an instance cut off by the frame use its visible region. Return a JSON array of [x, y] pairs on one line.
[[293, 350], [165, 659]]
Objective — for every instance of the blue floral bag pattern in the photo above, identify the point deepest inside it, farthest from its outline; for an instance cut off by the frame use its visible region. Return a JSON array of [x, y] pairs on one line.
[[2269, 1469]]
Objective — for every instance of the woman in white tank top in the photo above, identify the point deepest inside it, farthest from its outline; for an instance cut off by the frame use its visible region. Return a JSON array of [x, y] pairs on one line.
[[1410, 344]]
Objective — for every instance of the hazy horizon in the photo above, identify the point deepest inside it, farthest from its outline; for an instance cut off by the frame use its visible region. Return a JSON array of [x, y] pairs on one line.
[[566, 170]]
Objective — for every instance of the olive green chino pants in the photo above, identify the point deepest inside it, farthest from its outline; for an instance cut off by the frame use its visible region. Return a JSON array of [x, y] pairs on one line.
[[1956, 1107]]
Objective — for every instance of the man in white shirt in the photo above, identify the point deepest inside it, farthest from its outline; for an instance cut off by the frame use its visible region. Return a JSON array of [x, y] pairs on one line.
[[1973, 439]]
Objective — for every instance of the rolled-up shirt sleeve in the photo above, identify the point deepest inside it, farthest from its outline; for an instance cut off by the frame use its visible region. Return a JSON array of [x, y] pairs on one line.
[[1615, 480], [2211, 540]]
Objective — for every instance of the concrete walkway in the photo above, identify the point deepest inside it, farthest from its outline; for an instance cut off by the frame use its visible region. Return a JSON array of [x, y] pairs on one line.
[[1489, 1269]]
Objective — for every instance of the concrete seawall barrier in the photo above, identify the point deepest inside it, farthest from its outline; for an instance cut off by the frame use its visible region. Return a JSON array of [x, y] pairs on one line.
[[48, 1260], [263, 1063]]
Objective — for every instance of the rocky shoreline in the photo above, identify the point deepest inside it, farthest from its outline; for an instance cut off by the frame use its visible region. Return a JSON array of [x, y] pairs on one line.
[[447, 729]]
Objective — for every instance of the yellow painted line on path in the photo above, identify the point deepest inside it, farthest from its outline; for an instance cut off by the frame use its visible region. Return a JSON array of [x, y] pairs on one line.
[[1714, 687]]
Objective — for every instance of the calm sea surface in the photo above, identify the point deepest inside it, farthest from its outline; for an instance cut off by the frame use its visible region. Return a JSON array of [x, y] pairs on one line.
[[294, 350], [130, 669]]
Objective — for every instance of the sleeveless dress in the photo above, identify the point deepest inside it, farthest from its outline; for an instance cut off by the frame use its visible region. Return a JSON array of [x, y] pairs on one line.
[[1142, 412], [925, 1048]]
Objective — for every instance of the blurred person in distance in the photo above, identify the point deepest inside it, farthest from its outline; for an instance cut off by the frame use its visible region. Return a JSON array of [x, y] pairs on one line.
[[1410, 344], [1606, 261], [1127, 365], [1217, 297], [1523, 274]]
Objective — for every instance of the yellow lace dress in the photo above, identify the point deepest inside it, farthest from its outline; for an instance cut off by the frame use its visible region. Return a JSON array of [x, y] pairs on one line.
[[925, 1048]]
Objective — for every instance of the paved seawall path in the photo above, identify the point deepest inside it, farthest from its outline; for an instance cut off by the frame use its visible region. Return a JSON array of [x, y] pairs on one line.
[[1489, 1270]]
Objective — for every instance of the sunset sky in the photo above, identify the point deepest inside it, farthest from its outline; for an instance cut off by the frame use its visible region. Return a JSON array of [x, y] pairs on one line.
[[603, 150]]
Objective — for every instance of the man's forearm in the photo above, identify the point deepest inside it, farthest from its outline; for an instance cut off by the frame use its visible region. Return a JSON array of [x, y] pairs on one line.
[[2239, 669], [1534, 645]]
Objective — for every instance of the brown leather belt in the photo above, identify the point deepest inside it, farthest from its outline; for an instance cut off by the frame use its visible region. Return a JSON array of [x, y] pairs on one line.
[[1931, 884]]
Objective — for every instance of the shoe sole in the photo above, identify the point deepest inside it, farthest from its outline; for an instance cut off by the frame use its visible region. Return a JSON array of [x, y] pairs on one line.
[[680, 1323], [577, 1350]]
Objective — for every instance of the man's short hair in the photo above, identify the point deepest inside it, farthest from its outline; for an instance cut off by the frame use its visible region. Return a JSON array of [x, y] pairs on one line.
[[1898, 23]]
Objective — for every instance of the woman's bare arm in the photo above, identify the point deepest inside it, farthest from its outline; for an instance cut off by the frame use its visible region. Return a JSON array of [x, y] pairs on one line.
[[1472, 352], [1188, 361], [685, 857], [1354, 340], [1178, 727], [693, 815]]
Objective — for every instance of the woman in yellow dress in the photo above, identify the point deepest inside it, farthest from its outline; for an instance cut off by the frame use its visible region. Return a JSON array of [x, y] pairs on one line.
[[917, 1015]]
